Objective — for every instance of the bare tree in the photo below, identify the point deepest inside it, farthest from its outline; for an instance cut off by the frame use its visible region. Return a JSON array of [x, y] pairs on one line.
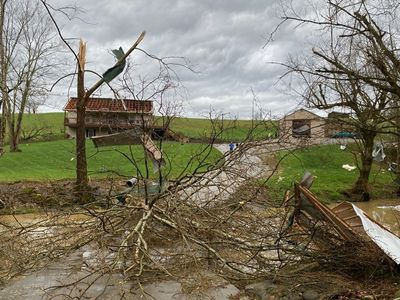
[[3, 81], [354, 67], [368, 118], [30, 48]]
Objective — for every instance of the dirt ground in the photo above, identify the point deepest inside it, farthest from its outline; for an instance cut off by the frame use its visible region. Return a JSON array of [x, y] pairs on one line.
[[26, 196], [306, 282]]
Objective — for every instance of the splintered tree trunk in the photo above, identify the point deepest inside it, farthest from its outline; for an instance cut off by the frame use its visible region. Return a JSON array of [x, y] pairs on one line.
[[81, 163], [361, 187]]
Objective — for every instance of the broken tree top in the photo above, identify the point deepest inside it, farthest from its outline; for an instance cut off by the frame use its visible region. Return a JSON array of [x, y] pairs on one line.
[[112, 105], [114, 71]]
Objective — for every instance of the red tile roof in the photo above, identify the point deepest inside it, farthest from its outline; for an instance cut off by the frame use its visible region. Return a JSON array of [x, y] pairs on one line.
[[113, 105]]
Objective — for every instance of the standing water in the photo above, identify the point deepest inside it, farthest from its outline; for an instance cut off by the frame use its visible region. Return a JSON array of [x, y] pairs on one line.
[[384, 211]]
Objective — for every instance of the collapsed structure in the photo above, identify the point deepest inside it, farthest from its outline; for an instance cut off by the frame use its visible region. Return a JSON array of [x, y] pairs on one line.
[[107, 116], [131, 137], [346, 223]]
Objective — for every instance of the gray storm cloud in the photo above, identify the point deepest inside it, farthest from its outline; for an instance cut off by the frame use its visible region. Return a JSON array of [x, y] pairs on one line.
[[223, 39]]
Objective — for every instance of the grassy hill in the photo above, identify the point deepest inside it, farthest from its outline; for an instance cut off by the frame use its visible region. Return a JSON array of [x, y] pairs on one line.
[[230, 130], [49, 156], [52, 127], [56, 160]]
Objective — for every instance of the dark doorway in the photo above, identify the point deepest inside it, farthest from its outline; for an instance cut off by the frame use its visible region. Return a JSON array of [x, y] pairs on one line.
[[301, 128], [90, 132]]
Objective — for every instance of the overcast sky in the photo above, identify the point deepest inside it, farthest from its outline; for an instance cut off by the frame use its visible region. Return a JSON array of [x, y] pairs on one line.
[[223, 39]]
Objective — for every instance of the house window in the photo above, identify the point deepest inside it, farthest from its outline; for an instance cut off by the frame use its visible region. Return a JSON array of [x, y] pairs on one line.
[[301, 128], [90, 132]]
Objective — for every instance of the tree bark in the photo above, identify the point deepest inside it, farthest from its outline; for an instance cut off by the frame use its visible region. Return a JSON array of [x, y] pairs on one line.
[[397, 122], [361, 187], [81, 163], [3, 80], [83, 96]]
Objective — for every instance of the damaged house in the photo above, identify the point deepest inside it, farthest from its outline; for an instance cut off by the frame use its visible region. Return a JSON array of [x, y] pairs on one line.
[[106, 115]]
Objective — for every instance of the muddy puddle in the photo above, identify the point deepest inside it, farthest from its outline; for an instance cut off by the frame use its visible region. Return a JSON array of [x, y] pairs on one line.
[[67, 277], [38, 285], [384, 211]]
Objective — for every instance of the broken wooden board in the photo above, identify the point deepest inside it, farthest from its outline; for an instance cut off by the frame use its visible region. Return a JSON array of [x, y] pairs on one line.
[[306, 201], [127, 137], [151, 148], [349, 221], [134, 136]]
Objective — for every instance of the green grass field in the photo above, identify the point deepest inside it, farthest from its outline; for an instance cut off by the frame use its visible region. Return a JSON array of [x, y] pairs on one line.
[[50, 156], [325, 163], [52, 125], [56, 160], [230, 130]]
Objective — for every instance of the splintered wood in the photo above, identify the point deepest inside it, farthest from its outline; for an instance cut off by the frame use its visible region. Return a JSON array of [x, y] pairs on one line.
[[344, 223]]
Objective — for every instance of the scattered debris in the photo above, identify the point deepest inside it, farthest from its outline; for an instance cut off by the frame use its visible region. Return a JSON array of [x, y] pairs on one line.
[[117, 69], [385, 239], [348, 167], [343, 147], [377, 153], [127, 137], [131, 137], [392, 167], [132, 182], [349, 223], [307, 180]]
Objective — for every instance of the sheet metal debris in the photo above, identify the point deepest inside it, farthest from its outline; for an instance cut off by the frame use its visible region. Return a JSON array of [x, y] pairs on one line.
[[385, 240], [377, 153], [349, 223]]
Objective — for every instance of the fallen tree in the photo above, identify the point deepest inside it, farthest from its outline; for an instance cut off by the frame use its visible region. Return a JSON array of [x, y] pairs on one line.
[[196, 225]]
